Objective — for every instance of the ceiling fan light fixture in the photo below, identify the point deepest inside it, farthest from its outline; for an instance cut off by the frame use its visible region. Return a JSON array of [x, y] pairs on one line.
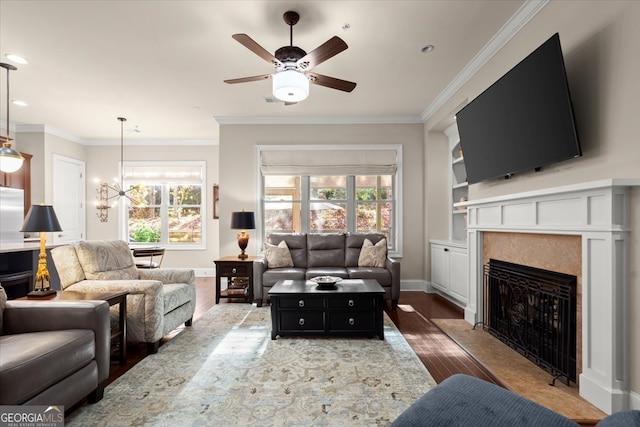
[[290, 86]]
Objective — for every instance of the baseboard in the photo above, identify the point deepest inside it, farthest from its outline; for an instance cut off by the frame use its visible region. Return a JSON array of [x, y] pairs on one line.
[[634, 400], [205, 272], [413, 285]]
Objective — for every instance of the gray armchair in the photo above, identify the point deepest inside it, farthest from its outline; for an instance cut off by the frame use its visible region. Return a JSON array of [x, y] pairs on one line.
[[53, 352], [159, 299]]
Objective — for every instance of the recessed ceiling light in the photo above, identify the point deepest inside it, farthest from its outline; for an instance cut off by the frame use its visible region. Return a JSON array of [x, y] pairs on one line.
[[428, 48], [16, 58], [18, 102]]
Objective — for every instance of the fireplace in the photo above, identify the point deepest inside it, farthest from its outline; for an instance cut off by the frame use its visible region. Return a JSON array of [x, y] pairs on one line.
[[533, 311], [597, 214]]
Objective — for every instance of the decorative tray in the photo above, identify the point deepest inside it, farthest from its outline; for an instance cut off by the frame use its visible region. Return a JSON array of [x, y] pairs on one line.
[[326, 282]]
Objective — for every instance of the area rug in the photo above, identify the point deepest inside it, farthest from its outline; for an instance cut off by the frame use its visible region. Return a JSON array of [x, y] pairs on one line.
[[226, 371]]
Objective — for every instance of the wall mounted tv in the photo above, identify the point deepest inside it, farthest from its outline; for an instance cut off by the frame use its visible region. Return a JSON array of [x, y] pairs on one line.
[[523, 121]]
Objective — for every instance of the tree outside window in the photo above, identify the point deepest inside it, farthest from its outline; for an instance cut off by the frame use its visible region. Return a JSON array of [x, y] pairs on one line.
[[171, 208], [329, 204]]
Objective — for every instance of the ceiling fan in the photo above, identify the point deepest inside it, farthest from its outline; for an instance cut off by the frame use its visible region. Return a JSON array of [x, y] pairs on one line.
[[291, 81]]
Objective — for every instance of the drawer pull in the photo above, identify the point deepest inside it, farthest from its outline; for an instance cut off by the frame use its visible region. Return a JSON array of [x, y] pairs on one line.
[[301, 303], [233, 270], [301, 321], [352, 321], [351, 303]]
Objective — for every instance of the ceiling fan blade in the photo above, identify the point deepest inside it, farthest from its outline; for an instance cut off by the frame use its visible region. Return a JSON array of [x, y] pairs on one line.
[[249, 79], [254, 47], [331, 82], [328, 49]]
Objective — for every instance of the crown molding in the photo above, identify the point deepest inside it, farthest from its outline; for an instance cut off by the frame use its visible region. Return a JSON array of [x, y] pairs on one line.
[[152, 142], [519, 19], [50, 130], [315, 120]]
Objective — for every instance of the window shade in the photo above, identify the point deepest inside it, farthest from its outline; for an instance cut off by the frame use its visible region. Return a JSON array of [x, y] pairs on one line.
[[165, 174], [328, 162]]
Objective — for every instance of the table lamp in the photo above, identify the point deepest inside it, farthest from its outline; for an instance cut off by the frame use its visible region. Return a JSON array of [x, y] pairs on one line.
[[41, 218], [243, 221]]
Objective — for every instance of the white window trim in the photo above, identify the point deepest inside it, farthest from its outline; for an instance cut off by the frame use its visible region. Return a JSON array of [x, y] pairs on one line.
[[122, 216], [398, 208]]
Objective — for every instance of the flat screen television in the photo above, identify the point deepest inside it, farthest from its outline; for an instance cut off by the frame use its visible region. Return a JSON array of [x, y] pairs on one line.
[[523, 121]]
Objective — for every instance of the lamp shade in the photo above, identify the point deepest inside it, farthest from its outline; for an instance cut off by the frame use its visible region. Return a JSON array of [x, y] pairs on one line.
[[243, 220], [290, 86], [41, 218]]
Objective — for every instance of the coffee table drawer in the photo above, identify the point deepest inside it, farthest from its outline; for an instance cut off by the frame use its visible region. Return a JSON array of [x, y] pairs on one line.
[[301, 302], [310, 321], [357, 321], [353, 303]]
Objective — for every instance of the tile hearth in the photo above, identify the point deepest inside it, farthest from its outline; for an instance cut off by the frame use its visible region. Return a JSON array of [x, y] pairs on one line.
[[519, 374]]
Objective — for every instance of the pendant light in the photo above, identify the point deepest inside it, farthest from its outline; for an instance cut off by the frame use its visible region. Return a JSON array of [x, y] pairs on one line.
[[103, 190], [10, 159]]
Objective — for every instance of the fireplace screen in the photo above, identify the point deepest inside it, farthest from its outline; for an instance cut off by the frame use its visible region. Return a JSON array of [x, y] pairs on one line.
[[533, 311]]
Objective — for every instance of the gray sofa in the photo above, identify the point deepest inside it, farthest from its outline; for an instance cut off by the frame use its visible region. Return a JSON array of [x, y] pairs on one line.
[[53, 352], [462, 400], [327, 254]]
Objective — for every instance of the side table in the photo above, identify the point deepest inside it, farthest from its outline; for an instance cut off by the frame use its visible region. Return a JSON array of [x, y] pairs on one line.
[[239, 274], [112, 298]]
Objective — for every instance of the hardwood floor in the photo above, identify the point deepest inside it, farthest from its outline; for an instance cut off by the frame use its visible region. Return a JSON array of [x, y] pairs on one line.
[[440, 355]]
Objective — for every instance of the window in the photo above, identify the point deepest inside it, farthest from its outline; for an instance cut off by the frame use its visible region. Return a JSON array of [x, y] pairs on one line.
[[333, 202], [331, 189], [171, 205]]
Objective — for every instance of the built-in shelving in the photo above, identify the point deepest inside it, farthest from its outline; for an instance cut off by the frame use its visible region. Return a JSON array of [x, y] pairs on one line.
[[459, 187]]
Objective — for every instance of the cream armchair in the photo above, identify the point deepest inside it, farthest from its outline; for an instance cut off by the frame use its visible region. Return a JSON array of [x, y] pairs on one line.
[[159, 300]]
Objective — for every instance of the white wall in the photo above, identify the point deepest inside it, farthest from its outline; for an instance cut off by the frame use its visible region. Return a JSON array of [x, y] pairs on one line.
[[600, 43]]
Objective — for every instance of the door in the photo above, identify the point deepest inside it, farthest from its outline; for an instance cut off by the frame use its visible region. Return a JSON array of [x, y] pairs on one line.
[[69, 198]]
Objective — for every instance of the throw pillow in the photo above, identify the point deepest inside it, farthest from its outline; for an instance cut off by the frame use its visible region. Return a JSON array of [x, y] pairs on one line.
[[373, 255], [3, 303], [68, 266], [278, 256]]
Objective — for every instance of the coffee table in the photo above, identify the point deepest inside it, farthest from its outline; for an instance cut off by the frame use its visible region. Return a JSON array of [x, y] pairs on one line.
[[354, 307], [112, 298]]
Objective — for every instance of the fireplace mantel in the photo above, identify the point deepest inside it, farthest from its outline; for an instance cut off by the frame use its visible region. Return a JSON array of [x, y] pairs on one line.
[[598, 211]]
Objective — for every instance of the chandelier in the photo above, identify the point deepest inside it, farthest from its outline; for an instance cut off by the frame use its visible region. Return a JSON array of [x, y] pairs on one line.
[[118, 188]]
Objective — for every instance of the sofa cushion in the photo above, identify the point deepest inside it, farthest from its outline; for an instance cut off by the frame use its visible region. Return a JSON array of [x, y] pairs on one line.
[[67, 265], [106, 260], [382, 275], [272, 275], [297, 244], [325, 250], [354, 242], [373, 255], [277, 256], [462, 400], [33, 362], [3, 303]]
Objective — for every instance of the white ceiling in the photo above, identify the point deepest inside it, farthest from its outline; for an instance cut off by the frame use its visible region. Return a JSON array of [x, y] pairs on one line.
[[161, 64]]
